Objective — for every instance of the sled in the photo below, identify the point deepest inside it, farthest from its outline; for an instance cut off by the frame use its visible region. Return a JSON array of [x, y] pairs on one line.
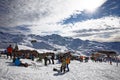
[[57, 70]]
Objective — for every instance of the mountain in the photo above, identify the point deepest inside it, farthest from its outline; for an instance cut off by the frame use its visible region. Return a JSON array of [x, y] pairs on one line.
[[113, 46], [54, 41]]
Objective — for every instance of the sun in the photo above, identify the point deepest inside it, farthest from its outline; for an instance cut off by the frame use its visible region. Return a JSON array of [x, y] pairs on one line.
[[92, 5]]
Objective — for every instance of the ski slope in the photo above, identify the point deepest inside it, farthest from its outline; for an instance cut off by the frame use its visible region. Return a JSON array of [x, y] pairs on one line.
[[78, 71]]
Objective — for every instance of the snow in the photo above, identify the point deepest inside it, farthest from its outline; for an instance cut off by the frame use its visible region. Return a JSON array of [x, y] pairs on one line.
[[78, 71], [22, 47]]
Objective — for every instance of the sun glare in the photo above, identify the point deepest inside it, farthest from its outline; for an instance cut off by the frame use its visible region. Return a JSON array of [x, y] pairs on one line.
[[92, 5]]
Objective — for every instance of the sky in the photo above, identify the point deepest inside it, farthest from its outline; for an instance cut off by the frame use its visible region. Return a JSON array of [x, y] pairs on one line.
[[96, 20]]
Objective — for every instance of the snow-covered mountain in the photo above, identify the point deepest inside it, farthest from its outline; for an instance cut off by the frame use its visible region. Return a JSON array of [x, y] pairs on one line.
[[54, 41]]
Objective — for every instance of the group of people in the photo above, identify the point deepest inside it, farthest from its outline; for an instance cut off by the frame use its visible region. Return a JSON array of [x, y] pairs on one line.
[[16, 60], [65, 61], [65, 64]]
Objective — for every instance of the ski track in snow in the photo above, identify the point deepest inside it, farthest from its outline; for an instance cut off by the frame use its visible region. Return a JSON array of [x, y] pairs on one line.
[[78, 71]]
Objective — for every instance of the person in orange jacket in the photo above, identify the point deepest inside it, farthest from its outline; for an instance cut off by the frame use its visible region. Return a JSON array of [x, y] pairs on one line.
[[67, 63]]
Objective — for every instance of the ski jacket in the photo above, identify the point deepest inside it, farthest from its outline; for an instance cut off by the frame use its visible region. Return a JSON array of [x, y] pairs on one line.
[[67, 60], [63, 63], [9, 49], [17, 62]]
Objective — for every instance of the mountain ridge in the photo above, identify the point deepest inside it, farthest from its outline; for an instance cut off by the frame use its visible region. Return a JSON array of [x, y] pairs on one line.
[[54, 41]]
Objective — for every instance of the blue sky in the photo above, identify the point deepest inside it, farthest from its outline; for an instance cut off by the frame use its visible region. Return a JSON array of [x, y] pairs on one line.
[[97, 20], [110, 7]]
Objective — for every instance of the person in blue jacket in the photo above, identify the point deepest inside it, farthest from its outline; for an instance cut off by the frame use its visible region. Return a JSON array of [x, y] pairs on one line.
[[19, 63]]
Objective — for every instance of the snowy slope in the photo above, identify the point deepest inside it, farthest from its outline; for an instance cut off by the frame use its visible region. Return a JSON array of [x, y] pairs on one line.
[[78, 71]]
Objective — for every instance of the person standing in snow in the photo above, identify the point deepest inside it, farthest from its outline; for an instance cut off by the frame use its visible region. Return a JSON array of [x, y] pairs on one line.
[[32, 57], [63, 65], [48, 58], [52, 58], [110, 59], [67, 63], [67, 59], [9, 51], [45, 60], [86, 59]]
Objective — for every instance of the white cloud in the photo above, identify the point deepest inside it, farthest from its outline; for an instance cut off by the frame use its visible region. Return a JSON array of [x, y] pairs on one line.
[[42, 11], [44, 15], [103, 29], [112, 38]]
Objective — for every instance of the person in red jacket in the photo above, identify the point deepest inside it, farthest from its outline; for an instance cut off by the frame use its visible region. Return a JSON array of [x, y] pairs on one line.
[[9, 51]]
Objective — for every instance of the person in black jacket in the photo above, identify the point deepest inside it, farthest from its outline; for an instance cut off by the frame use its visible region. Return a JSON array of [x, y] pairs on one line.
[[52, 58], [45, 60]]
